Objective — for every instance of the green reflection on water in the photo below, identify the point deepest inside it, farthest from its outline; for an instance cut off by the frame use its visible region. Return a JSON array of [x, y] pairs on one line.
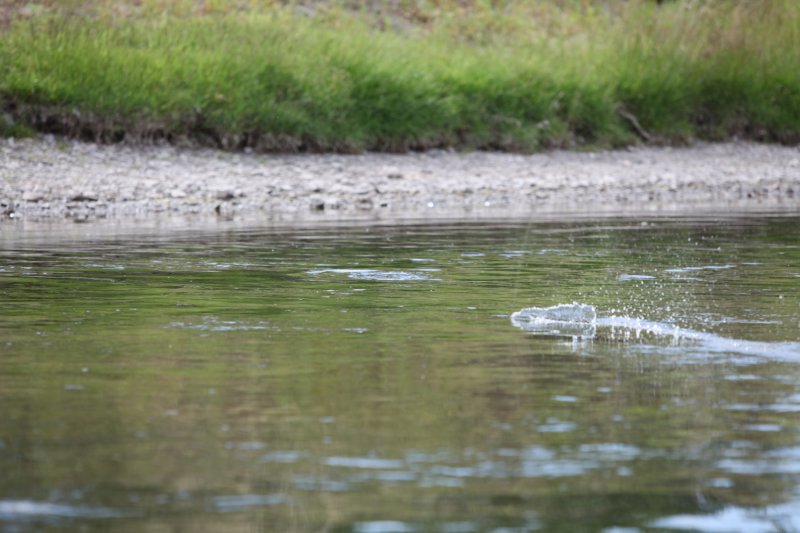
[[369, 379]]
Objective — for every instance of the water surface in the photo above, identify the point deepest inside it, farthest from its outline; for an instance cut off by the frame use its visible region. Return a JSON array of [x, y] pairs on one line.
[[372, 380]]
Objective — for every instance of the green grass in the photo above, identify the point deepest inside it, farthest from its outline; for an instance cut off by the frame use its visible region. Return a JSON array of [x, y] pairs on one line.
[[522, 75]]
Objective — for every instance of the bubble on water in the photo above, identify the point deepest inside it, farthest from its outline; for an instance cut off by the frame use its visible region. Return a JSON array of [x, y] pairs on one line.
[[368, 274], [247, 445], [511, 254], [698, 268], [736, 519], [743, 377], [363, 462], [391, 476], [549, 251], [101, 266], [287, 456], [211, 323], [565, 398], [720, 483], [555, 425], [450, 482], [228, 504], [384, 526], [310, 483], [459, 527], [28, 509], [634, 277], [763, 427], [611, 451]]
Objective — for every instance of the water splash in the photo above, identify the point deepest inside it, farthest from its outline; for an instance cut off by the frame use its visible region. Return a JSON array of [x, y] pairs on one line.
[[564, 320], [580, 321]]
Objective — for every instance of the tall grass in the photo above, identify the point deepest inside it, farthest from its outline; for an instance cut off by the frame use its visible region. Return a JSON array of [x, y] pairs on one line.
[[407, 74]]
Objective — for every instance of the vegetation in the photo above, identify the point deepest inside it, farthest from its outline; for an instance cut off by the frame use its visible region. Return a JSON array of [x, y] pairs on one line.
[[402, 74]]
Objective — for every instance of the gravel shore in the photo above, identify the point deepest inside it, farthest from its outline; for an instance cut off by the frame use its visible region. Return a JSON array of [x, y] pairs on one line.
[[52, 179]]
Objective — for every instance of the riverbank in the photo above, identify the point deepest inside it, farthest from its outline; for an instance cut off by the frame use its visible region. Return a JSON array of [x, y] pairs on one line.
[[51, 179], [350, 77]]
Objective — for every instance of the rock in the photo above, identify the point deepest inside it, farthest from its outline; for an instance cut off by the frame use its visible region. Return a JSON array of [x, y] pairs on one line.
[[333, 203], [225, 195], [84, 197], [32, 196], [7, 208], [364, 204], [321, 204], [177, 193]]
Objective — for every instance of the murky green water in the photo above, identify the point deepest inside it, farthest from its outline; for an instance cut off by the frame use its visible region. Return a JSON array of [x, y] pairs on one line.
[[370, 379]]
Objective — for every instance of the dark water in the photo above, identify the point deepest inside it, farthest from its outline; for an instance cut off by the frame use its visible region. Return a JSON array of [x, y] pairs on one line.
[[370, 380]]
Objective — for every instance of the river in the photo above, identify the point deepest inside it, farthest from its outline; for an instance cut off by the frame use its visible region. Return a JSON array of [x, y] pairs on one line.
[[371, 378]]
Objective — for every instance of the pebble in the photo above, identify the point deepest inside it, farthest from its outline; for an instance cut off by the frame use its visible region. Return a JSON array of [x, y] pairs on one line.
[[87, 196], [225, 195], [32, 196], [40, 179]]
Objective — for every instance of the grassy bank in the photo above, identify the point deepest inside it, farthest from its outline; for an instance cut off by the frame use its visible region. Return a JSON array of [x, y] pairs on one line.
[[411, 74]]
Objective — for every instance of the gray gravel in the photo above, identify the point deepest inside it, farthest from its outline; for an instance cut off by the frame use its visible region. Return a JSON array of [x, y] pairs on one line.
[[54, 179]]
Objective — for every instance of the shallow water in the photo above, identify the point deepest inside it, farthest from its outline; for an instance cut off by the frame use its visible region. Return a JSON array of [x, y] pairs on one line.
[[371, 379]]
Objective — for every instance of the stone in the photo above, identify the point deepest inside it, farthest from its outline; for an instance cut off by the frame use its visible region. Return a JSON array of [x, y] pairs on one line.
[[225, 195], [6, 207], [87, 196], [32, 196], [364, 204]]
